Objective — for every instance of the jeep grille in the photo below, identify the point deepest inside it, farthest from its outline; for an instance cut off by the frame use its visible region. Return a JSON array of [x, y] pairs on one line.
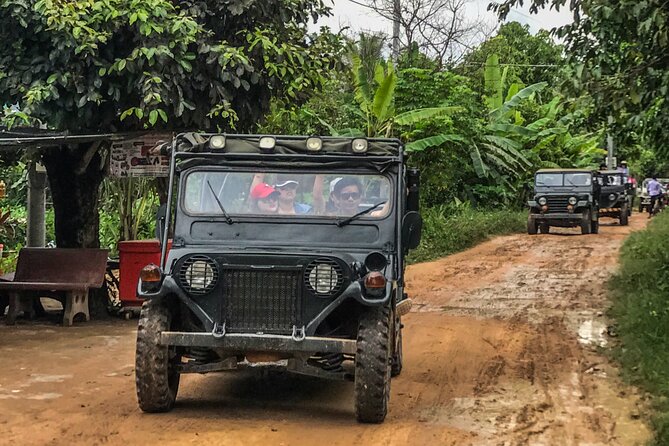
[[262, 300], [557, 204]]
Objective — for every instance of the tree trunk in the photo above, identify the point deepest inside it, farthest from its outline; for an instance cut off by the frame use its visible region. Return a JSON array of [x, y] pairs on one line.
[[75, 175]]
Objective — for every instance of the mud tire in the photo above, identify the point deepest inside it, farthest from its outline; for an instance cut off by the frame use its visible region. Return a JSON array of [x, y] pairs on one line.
[[398, 356], [594, 229], [372, 366], [544, 228], [156, 378], [531, 226], [586, 222], [624, 215]]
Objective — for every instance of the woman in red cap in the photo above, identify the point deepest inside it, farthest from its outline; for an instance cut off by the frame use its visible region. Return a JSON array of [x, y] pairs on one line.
[[264, 199]]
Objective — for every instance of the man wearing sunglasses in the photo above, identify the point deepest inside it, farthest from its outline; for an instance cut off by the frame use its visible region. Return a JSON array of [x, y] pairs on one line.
[[347, 194]]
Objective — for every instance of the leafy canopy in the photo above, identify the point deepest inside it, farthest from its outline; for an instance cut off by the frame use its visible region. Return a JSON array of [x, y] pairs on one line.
[[98, 65]]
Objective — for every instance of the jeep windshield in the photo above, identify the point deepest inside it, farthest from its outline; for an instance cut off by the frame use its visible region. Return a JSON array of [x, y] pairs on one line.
[[272, 194], [551, 179]]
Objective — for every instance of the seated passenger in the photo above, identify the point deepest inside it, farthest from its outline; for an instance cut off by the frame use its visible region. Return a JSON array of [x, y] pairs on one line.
[[264, 199], [346, 196], [287, 204]]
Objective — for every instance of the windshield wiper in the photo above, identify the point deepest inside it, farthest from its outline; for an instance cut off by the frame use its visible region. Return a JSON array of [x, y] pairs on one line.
[[228, 220], [348, 220]]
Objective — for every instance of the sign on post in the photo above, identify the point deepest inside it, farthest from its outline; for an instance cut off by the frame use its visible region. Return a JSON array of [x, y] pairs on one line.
[[133, 157]]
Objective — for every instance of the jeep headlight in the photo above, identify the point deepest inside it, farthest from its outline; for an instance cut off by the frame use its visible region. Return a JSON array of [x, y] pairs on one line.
[[198, 274], [572, 200], [324, 277], [542, 201], [612, 197]]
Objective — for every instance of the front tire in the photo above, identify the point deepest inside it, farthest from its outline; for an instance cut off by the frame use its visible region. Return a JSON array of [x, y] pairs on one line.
[[624, 215], [586, 222], [594, 229], [531, 226], [156, 377], [372, 366]]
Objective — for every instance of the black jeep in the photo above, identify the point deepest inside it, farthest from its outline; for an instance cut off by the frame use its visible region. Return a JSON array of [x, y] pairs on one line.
[[287, 253], [565, 198], [615, 199]]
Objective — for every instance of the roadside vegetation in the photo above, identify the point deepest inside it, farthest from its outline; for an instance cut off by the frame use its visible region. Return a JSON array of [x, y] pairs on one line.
[[449, 229], [641, 312]]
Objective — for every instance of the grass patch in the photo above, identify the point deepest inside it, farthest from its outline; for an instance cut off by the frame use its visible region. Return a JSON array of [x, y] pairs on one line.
[[451, 229], [641, 310]]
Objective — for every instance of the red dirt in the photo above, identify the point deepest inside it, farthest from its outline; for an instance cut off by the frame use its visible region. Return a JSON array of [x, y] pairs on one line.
[[502, 348]]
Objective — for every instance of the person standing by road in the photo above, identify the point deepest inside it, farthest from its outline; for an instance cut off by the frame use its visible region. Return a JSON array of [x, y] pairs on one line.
[[655, 192]]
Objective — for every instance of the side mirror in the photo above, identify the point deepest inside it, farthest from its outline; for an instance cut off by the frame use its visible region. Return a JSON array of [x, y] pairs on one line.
[[412, 228], [413, 187], [161, 217]]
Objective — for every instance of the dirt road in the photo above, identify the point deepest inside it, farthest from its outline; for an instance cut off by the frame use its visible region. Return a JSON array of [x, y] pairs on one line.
[[501, 349]]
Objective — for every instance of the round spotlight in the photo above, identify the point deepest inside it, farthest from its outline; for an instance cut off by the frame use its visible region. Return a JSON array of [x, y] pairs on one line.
[[612, 197], [375, 261], [359, 145], [572, 200], [542, 201], [314, 144], [323, 278], [199, 275], [217, 142], [267, 143]]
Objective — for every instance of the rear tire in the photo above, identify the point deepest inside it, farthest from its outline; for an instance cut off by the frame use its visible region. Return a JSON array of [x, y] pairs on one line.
[[156, 378], [586, 222], [531, 226], [624, 215], [372, 366], [544, 228]]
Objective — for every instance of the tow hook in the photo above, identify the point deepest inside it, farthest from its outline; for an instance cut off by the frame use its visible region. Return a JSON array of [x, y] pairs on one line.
[[218, 331], [299, 334]]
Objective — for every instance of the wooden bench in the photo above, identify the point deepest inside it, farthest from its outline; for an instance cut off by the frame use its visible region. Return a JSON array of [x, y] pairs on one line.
[[66, 274]]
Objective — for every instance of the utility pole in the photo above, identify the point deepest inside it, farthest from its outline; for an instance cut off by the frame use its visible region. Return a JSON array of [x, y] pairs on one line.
[[36, 233], [609, 145], [396, 30]]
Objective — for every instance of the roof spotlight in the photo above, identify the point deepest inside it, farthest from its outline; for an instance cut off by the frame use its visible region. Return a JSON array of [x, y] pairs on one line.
[[267, 143], [314, 144], [217, 142], [359, 145]]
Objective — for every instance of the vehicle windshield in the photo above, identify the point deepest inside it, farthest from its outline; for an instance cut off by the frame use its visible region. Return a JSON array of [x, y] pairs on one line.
[[563, 179], [280, 193], [613, 180]]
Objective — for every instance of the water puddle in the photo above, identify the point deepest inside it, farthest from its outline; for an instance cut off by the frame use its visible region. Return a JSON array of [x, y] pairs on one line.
[[38, 378], [592, 332], [44, 396]]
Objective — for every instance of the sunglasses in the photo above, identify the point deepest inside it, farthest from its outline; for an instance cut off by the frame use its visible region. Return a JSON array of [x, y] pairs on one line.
[[349, 195]]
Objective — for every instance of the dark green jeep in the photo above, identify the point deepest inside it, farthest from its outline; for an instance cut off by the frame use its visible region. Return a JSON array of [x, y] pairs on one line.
[[615, 199], [287, 253], [564, 198]]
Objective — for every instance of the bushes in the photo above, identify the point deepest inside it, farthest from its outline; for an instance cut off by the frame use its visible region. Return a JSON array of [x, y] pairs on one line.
[[448, 229], [641, 310]]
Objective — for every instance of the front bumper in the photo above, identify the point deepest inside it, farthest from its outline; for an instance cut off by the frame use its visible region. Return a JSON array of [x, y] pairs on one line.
[[558, 219], [259, 342]]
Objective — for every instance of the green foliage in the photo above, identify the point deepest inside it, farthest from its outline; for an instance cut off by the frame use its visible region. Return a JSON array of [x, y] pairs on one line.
[[453, 228], [642, 315], [106, 65], [128, 211], [517, 49], [617, 50]]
